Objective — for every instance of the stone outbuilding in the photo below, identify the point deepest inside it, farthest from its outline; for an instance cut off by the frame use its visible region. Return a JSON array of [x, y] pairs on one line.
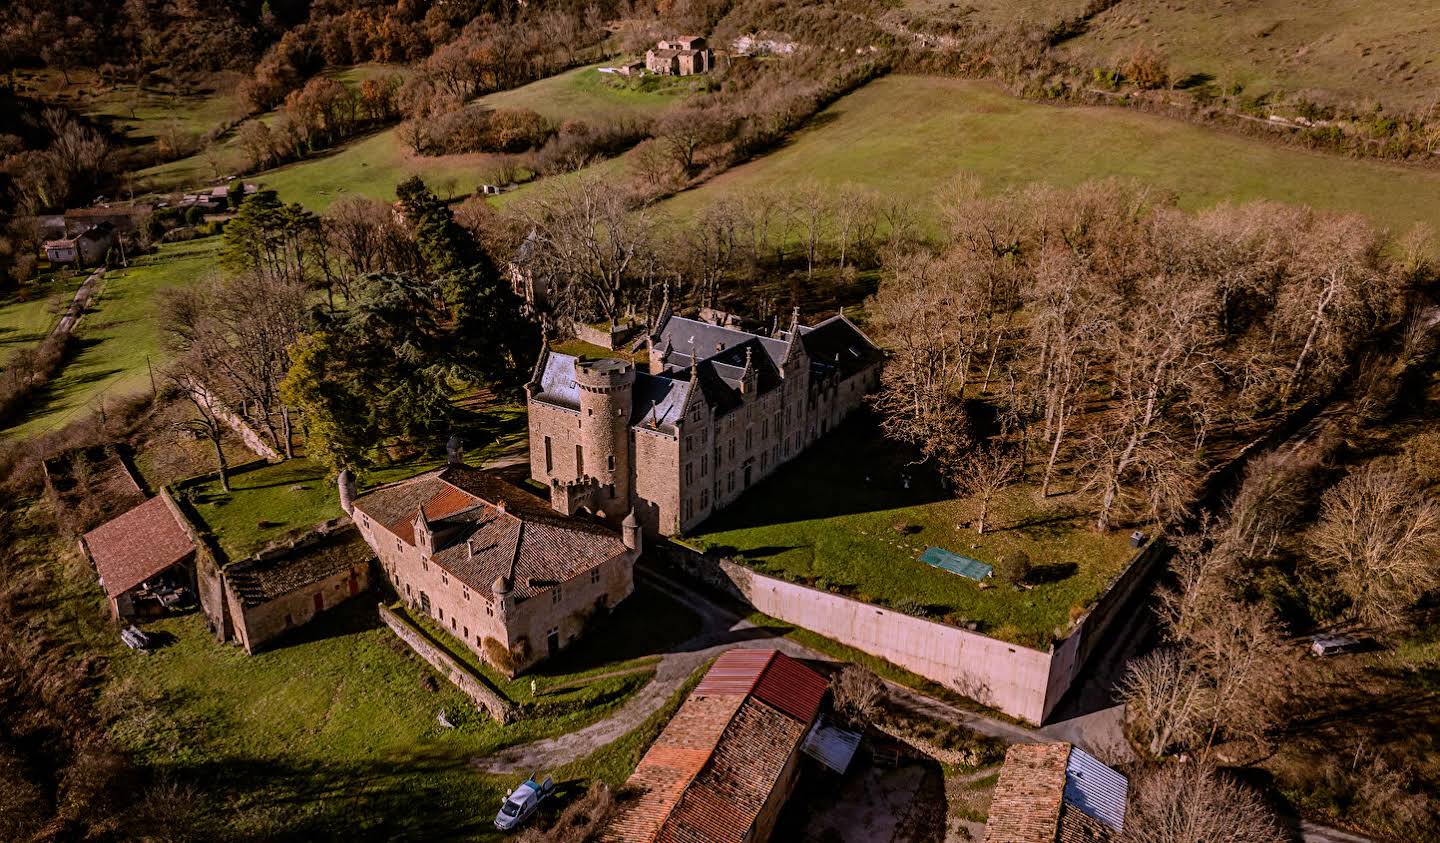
[[725, 764], [89, 248], [274, 592], [145, 560], [683, 56], [493, 564]]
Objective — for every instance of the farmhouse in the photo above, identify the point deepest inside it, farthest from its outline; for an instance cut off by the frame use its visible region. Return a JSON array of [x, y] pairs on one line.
[[1056, 793], [726, 762], [493, 564], [145, 559], [87, 249], [719, 409], [683, 56]]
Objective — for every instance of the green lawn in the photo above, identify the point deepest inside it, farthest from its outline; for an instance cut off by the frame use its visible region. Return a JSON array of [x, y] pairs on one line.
[[906, 136], [117, 336], [820, 521], [27, 322], [264, 503], [588, 94], [331, 735]]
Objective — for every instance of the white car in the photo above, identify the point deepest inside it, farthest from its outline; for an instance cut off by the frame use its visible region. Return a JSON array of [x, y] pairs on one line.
[[522, 802]]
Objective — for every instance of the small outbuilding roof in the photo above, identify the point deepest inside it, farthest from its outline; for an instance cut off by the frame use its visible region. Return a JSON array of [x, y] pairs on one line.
[[138, 545], [1056, 792]]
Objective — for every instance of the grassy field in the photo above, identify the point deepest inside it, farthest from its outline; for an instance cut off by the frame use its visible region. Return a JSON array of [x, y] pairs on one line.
[[829, 518], [332, 735], [27, 322], [372, 165], [118, 336], [264, 503], [1386, 50], [906, 136]]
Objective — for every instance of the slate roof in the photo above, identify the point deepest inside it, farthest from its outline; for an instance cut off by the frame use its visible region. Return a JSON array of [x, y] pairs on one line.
[[1055, 793], [837, 343], [485, 528], [137, 546], [258, 581], [711, 770]]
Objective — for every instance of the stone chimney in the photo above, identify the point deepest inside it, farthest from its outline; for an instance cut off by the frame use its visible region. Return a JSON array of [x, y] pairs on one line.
[[346, 482]]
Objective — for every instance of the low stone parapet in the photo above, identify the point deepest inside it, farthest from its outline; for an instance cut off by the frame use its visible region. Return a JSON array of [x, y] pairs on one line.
[[459, 675]]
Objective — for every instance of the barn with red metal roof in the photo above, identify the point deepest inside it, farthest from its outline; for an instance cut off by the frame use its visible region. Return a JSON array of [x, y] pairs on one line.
[[725, 764]]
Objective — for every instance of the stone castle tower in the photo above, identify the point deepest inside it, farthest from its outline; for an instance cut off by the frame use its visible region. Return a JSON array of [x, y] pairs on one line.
[[603, 450]]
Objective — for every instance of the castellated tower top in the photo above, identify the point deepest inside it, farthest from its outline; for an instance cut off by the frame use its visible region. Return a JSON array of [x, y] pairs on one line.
[[604, 375]]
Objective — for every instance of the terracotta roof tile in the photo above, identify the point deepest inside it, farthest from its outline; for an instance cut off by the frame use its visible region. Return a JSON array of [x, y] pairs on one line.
[[138, 545], [712, 769], [1026, 805]]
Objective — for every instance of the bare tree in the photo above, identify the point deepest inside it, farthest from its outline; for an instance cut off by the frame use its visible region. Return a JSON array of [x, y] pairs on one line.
[[810, 209], [1192, 803], [1165, 701], [206, 422], [1378, 540], [983, 473]]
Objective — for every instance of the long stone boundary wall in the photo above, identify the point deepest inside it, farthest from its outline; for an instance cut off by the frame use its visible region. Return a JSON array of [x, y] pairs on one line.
[[1020, 681], [248, 435], [447, 665]]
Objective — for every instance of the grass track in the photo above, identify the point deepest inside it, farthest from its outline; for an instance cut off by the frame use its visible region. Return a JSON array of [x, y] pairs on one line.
[[906, 136]]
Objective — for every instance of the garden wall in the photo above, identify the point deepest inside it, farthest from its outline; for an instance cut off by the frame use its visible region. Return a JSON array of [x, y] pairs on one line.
[[1017, 680], [448, 666], [1004, 676]]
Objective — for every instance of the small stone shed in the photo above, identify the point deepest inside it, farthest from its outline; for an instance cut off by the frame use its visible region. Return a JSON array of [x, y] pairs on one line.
[[145, 559], [278, 590]]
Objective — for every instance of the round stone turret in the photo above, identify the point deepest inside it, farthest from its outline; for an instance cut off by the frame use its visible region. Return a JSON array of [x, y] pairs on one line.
[[346, 482], [606, 390], [630, 531]]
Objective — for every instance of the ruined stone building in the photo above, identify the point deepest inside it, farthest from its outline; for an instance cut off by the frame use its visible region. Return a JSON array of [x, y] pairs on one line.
[[716, 410], [493, 564], [683, 56]]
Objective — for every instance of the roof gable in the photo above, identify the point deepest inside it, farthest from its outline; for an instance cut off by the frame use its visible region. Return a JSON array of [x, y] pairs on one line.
[[137, 545]]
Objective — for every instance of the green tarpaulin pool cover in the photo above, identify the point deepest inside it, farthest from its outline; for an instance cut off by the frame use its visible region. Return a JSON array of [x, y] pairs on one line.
[[956, 564]]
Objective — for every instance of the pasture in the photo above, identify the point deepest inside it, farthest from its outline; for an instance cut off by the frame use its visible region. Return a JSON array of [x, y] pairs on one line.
[[119, 338], [906, 137]]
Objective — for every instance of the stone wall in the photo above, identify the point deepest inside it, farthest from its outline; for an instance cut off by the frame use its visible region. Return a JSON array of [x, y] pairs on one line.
[[257, 625], [1020, 681], [457, 673], [1004, 676], [248, 435]]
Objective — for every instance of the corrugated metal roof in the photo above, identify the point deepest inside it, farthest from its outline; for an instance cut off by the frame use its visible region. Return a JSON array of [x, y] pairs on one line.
[[734, 673], [791, 687], [947, 560], [831, 745], [1095, 789]]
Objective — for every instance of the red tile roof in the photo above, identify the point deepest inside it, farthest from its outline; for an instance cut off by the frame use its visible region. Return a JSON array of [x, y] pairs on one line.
[[138, 545], [712, 769], [1028, 797]]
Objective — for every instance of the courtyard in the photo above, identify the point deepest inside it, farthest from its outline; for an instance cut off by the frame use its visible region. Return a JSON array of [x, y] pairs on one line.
[[852, 514]]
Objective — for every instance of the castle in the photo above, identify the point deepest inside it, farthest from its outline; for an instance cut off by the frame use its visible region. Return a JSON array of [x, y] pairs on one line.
[[717, 410]]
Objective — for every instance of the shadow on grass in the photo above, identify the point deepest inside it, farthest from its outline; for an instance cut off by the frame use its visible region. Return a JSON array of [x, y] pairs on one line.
[[354, 616], [1051, 573], [854, 469]]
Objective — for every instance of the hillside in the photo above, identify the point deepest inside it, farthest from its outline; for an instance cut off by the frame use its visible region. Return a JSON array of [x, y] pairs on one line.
[[906, 136]]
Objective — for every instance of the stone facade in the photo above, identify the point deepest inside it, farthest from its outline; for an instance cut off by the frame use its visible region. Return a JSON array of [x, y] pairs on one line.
[[494, 565], [718, 410], [274, 592], [683, 56]]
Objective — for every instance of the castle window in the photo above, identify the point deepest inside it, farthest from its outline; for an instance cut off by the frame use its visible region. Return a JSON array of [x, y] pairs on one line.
[[466, 592], [579, 460], [594, 576], [764, 459], [444, 580], [423, 564], [732, 447], [730, 483], [452, 622], [490, 611], [398, 546], [467, 632], [549, 457], [749, 438], [555, 595], [704, 463], [704, 498], [689, 471], [689, 509], [689, 442], [610, 461], [441, 611]]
